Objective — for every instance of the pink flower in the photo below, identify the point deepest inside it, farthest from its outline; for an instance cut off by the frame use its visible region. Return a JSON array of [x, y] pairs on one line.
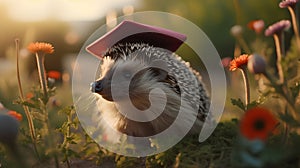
[[288, 3], [278, 27], [225, 62]]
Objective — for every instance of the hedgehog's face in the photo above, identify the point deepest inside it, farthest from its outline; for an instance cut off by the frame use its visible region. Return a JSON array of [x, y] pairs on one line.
[[122, 80]]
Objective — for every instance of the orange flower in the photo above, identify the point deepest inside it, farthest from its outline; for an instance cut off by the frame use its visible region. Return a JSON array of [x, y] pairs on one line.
[[29, 95], [16, 115], [258, 123], [238, 62], [54, 74], [40, 47]]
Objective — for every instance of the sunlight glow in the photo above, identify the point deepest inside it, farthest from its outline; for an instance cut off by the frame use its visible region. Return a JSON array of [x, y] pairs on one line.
[[66, 10]]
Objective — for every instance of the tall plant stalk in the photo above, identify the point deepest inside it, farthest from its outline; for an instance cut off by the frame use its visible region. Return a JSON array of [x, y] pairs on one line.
[[246, 85], [26, 109]]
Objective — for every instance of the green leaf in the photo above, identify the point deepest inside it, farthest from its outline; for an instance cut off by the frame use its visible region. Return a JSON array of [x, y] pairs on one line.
[[29, 104], [289, 119], [38, 116], [253, 104], [238, 103], [295, 90]]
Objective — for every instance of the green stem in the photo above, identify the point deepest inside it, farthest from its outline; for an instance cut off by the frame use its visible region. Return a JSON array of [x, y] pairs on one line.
[[237, 50], [26, 109], [286, 130], [68, 134], [243, 43], [42, 75], [246, 85], [49, 132], [295, 26], [40, 59], [237, 11], [281, 90], [279, 56]]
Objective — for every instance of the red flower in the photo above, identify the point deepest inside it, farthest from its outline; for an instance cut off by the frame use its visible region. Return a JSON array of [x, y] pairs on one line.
[[54, 74], [15, 115], [258, 123], [256, 25], [238, 62]]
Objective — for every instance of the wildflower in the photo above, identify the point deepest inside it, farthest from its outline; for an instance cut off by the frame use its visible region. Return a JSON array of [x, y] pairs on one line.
[[256, 25], [236, 30], [1, 106], [241, 63], [256, 64], [278, 27], [40, 47], [29, 95], [225, 62], [288, 3], [276, 30], [238, 62], [15, 115], [54, 74], [257, 123], [291, 6]]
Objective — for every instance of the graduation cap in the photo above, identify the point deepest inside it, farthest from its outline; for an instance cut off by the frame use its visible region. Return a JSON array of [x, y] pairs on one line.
[[133, 32]]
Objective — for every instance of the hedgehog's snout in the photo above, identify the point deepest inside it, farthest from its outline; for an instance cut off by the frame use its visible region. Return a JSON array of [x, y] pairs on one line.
[[97, 86]]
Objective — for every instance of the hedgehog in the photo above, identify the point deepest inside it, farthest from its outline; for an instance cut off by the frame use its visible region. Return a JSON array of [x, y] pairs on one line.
[[152, 84]]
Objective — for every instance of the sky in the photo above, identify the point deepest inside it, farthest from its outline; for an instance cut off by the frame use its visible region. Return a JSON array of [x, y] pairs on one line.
[[65, 10]]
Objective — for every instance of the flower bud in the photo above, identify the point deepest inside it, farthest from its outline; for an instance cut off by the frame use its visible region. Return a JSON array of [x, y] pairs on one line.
[[1, 106], [236, 30], [256, 64]]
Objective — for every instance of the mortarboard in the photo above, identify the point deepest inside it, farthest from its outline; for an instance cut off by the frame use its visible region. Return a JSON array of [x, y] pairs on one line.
[[133, 32]]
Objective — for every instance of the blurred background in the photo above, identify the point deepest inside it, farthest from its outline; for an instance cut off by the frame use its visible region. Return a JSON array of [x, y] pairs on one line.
[[68, 23]]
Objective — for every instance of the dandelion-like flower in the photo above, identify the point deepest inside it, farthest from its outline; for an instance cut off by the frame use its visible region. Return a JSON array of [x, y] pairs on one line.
[[256, 25], [288, 3], [258, 123], [278, 27], [15, 115], [238, 62], [54, 74], [241, 63], [40, 47]]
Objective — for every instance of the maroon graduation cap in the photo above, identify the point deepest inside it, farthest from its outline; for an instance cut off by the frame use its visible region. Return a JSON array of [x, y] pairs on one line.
[[133, 32]]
